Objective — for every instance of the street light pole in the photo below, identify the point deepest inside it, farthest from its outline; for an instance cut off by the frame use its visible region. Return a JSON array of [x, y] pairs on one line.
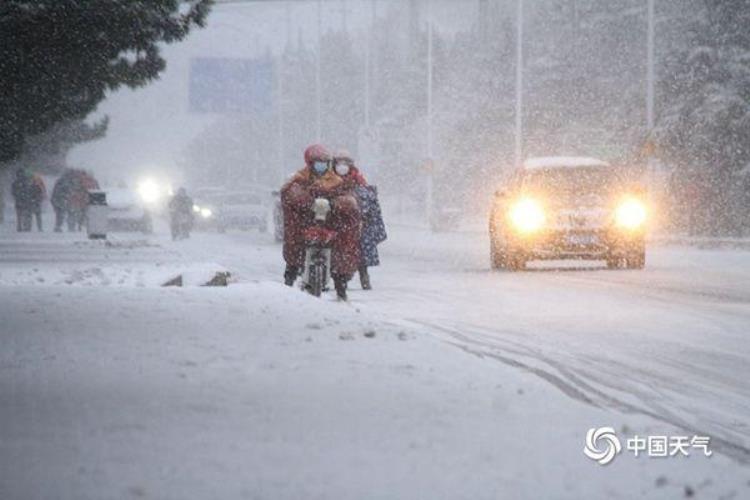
[[430, 152], [519, 87], [650, 70], [280, 97], [650, 82], [318, 84], [368, 63]]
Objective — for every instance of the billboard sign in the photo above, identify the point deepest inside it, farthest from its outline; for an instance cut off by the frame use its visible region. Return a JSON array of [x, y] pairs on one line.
[[231, 86]]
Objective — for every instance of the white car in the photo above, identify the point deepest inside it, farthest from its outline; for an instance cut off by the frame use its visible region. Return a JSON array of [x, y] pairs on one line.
[[568, 208], [127, 211], [222, 209]]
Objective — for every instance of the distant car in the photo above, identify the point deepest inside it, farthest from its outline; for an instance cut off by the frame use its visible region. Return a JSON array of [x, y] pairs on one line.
[[221, 209], [127, 211], [568, 208]]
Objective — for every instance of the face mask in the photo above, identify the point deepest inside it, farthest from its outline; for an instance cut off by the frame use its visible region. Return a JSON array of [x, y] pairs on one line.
[[342, 169], [320, 167]]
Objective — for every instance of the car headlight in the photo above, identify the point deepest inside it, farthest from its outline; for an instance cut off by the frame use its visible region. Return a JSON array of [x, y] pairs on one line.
[[630, 214], [206, 213], [527, 216], [149, 191], [196, 209]]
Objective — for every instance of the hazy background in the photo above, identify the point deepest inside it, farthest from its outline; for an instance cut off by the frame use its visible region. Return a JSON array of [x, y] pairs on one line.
[[585, 81]]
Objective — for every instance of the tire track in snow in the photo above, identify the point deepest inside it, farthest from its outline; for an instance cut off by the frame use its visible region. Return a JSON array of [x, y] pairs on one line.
[[573, 385]]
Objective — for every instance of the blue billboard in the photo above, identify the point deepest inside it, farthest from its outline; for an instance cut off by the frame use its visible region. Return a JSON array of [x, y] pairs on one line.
[[231, 86]]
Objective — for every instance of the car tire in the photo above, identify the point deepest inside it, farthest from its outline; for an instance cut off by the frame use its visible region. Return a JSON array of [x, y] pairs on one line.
[[613, 262], [498, 258], [636, 260], [515, 262]]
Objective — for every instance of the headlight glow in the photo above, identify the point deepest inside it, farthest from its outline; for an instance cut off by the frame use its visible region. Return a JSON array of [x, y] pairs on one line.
[[149, 191], [527, 216], [206, 213], [630, 214], [196, 209]]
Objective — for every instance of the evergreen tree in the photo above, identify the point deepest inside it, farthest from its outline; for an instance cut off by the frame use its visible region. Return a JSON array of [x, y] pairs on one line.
[[705, 127], [59, 58]]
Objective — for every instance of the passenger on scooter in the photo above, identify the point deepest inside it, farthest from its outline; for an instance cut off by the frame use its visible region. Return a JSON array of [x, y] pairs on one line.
[[373, 228], [318, 179]]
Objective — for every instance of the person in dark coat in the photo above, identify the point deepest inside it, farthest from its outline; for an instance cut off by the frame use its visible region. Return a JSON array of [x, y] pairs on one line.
[[181, 216], [40, 194], [24, 194], [373, 231], [60, 198], [373, 228]]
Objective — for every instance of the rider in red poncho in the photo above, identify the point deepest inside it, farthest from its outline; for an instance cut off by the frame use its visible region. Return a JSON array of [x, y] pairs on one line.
[[316, 179]]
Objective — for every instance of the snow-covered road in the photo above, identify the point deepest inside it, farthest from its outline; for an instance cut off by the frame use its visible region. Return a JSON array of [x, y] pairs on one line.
[[445, 381], [670, 341]]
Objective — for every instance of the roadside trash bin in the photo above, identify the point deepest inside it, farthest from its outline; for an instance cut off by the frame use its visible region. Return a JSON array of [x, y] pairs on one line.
[[96, 215]]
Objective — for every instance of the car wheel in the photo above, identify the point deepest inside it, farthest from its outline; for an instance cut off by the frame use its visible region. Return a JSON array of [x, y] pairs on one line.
[[498, 258], [637, 260], [613, 262], [515, 261]]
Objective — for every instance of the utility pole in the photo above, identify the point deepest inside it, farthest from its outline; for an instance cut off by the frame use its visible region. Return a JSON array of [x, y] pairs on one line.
[[318, 83], [368, 64], [280, 112], [280, 96], [430, 152], [650, 75], [519, 87]]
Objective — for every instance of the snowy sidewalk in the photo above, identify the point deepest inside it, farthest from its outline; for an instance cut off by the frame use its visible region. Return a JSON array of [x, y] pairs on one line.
[[72, 259]]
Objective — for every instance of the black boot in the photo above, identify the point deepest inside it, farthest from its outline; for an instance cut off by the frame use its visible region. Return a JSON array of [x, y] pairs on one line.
[[339, 282], [290, 275], [364, 278]]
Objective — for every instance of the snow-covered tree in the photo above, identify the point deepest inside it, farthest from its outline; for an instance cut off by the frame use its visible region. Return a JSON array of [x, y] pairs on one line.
[[58, 59], [705, 127]]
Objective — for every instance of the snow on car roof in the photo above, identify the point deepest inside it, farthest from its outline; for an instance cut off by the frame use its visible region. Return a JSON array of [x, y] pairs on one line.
[[562, 162], [121, 197]]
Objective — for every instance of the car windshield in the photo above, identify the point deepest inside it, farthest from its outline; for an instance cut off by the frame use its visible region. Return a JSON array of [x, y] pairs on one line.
[[571, 181]]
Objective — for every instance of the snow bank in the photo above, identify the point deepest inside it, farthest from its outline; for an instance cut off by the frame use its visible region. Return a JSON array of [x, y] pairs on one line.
[[51, 259]]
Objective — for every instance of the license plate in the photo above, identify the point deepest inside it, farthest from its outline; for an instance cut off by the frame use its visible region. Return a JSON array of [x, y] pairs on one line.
[[582, 239]]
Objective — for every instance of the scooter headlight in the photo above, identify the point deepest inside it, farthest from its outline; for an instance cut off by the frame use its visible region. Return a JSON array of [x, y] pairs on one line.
[[630, 214], [527, 216]]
